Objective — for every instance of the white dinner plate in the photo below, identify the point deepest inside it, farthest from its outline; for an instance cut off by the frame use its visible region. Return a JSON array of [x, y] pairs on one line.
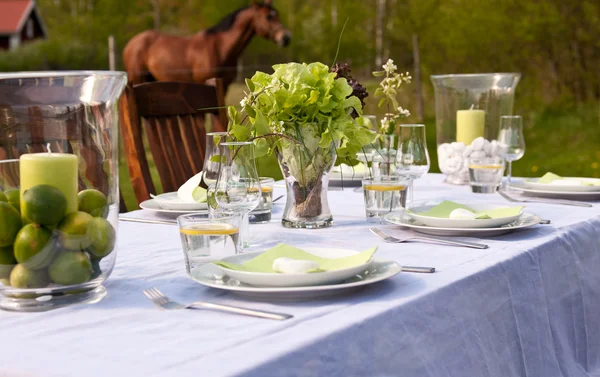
[[573, 195], [533, 184], [295, 280], [152, 206], [170, 200], [211, 276], [401, 218], [462, 223]]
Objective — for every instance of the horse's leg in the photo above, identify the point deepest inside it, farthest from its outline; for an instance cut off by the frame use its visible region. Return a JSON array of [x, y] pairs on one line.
[[135, 57]]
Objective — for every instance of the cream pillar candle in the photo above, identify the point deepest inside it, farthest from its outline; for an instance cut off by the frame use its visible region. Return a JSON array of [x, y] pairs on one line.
[[469, 125], [55, 169]]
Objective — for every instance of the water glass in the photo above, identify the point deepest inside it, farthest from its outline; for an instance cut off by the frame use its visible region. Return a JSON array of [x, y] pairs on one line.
[[383, 195], [485, 174], [511, 142], [262, 213], [207, 239], [212, 156], [238, 187], [412, 158]]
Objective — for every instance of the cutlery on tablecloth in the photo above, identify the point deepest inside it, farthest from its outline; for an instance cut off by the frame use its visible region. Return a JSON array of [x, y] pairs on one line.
[[159, 299], [146, 221], [388, 238], [277, 198], [565, 202], [418, 269]]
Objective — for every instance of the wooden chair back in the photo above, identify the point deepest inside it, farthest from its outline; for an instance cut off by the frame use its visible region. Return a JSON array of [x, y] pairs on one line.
[[172, 117]]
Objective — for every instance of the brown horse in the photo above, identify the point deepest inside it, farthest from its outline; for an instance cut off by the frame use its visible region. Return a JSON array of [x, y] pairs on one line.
[[214, 52]]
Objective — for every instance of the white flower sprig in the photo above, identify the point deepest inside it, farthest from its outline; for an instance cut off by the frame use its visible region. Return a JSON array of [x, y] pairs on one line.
[[388, 89]]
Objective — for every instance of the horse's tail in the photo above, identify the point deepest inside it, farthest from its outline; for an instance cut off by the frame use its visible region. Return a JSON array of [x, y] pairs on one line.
[[135, 57]]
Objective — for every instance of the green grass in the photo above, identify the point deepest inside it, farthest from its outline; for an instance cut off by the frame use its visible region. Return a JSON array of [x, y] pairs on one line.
[[563, 140]]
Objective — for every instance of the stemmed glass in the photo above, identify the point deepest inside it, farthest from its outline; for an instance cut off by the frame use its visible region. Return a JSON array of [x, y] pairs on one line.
[[211, 165], [511, 142], [238, 186], [412, 158]]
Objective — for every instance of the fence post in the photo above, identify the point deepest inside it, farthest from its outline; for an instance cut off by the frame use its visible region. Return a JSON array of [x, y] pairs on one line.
[[111, 53]]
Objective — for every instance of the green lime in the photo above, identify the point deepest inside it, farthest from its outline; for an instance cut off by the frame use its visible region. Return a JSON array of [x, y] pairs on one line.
[[10, 223], [199, 194], [103, 238], [3, 197], [72, 267], [14, 198], [34, 247], [23, 277], [73, 230], [93, 202], [44, 204], [7, 262]]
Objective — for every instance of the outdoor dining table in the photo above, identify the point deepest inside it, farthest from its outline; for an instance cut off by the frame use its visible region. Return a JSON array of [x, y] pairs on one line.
[[529, 305]]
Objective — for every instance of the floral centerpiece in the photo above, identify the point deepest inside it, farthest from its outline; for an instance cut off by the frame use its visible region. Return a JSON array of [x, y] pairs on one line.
[[304, 114]]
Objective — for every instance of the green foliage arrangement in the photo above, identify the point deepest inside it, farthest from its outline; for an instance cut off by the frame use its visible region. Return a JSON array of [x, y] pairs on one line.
[[304, 104]]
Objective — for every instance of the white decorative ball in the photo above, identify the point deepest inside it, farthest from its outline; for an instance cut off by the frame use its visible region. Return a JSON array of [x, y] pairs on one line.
[[487, 147], [477, 154], [458, 146], [477, 144], [468, 151]]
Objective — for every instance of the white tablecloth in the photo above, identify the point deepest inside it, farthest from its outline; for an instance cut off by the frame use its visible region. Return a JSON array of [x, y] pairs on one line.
[[527, 306]]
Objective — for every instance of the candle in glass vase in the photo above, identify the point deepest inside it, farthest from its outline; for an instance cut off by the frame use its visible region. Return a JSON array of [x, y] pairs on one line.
[[469, 125], [56, 169]]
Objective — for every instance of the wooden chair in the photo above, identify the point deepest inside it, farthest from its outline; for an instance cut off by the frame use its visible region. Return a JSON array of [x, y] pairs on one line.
[[172, 117]]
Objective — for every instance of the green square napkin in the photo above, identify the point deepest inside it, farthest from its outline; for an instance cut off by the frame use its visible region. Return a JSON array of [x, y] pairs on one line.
[[264, 261], [446, 207], [548, 178]]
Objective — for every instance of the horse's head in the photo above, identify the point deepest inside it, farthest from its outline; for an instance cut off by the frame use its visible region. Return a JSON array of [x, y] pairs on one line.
[[268, 25]]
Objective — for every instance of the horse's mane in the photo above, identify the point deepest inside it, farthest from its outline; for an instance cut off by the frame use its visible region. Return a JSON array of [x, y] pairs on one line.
[[226, 22]]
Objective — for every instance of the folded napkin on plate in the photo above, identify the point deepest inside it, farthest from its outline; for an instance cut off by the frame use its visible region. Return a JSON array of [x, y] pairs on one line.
[[445, 208], [549, 178], [264, 261]]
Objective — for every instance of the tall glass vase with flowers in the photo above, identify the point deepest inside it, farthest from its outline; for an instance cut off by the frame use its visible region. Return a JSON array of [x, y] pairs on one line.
[[304, 114]]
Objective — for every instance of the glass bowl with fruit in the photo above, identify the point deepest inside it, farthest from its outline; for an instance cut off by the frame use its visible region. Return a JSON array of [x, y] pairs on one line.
[[59, 196]]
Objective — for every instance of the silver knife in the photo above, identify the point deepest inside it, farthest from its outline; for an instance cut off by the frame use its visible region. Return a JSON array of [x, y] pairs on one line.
[[423, 270], [134, 220]]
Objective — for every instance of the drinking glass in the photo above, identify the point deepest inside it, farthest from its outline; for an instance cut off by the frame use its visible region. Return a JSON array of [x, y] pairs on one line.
[[207, 239], [383, 195], [485, 174], [412, 158], [211, 163], [511, 142], [238, 187], [262, 213]]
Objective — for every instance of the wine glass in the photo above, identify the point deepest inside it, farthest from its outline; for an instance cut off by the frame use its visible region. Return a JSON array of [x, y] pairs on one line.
[[511, 142], [412, 158], [211, 162], [238, 186]]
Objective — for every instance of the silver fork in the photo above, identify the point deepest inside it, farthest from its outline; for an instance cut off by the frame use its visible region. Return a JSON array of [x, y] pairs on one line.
[[388, 238], [164, 302], [547, 201]]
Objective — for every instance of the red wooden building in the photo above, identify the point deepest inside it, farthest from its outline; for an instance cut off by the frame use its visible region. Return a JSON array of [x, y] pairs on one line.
[[19, 22]]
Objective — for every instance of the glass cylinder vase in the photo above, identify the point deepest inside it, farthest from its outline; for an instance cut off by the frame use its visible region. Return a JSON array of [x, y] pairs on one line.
[[467, 112], [59, 147], [306, 168]]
